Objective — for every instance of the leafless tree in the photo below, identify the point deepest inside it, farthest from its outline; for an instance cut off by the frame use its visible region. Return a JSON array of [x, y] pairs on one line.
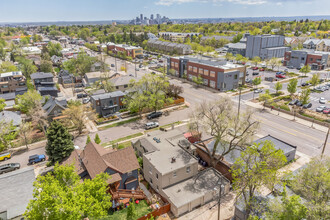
[[39, 116], [229, 130]]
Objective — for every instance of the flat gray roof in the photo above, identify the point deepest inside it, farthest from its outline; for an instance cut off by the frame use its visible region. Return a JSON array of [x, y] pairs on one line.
[[278, 144], [16, 190], [41, 75], [108, 95], [196, 187]]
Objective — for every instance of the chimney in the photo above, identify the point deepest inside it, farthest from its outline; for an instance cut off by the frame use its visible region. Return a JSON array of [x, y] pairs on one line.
[[173, 160]]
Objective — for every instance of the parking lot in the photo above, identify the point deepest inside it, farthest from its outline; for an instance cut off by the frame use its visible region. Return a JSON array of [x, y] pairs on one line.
[[315, 97]]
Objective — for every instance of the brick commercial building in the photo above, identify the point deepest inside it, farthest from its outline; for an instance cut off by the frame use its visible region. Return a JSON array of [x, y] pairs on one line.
[[130, 51], [317, 60], [11, 81], [265, 46], [216, 74]]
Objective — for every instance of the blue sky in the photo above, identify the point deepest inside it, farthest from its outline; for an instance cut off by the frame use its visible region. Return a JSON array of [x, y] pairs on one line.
[[91, 10]]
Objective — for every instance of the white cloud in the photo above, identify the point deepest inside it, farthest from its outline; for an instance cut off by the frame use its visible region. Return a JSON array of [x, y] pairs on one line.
[[216, 2]]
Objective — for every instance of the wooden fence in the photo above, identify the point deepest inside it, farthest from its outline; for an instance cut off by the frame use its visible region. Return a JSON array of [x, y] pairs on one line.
[[162, 210]]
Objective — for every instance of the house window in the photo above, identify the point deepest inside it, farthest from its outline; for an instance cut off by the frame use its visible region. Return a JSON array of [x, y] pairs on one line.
[[172, 64], [174, 174], [195, 69], [188, 169], [125, 86], [150, 170], [205, 82], [98, 102], [235, 77], [156, 175], [212, 74], [150, 181], [311, 59], [176, 65], [206, 72], [200, 71], [117, 87], [157, 187]]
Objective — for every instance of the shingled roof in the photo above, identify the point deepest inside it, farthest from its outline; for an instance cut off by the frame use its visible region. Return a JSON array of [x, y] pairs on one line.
[[97, 159]]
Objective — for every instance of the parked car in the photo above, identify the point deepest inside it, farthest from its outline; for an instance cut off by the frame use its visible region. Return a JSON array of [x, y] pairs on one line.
[[258, 91], [78, 85], [80, 95], [255, 73], [255, 68], [326, 111], [78, 90], [281, 76], [322, 100], [140, 66], [151, 125], [299, 103], [262, 69], [305, 84], [320, 108], [286, 70], [298, 68], [154, 115], [248, 80], [36, 158], [290, 67], [86, 100], [112, 65], [279, 73], [263, 65], [309, 105], [5, 156], [9, 167], [293, 102]]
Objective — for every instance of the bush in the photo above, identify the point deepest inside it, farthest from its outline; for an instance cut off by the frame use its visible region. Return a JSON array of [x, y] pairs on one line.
[[123, 110], [285, 107]]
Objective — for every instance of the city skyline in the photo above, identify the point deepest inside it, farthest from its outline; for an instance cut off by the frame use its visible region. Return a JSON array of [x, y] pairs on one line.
[[86, 10]]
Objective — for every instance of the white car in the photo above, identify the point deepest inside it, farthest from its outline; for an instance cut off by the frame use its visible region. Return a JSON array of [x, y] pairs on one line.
[[258, 91], [151, 125], [322, 100]]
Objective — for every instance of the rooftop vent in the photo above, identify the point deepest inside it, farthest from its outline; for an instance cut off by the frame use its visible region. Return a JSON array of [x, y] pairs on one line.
[[173, 160]]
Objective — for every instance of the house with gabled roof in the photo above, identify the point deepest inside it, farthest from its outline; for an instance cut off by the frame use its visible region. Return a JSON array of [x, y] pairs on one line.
[[54, 106], [120, 164]]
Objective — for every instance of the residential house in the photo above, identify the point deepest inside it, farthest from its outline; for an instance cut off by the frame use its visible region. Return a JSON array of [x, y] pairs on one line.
[[323, 45], [120, 164], [121, 83], [172, 171], [12, 82], [65, 78], [108, 103], [57, 61], [11, 116], [217, 74], [31, 50], [16, 190], [54, 106], [229, 159], [44, 83], [317, 60], [311, 43], [265, 46]]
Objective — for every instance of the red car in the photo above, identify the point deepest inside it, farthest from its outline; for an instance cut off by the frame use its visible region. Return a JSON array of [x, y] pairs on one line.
[[255, 68], [280, 76], [262, 69], [326, 111]]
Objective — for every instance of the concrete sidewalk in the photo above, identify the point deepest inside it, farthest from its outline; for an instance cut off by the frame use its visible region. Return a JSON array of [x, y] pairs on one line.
[[288, 117]]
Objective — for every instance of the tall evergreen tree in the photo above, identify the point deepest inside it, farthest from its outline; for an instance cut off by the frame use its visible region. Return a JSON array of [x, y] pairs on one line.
[[59, 142], [97, 139]]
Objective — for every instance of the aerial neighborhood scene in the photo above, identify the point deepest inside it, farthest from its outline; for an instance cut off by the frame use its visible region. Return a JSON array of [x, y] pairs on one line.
[[165, 109]]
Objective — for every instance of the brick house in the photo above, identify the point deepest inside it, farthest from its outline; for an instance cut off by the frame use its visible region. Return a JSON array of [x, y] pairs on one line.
[[216, 74], [317, 60], [128, 50]]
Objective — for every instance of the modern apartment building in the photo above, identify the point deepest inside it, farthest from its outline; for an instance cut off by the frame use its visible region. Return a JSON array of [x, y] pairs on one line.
[[131, 51], [44, 83], [217, 74], [265, 46], [169, 47], [108, 103], [12, 81], [317, 60]]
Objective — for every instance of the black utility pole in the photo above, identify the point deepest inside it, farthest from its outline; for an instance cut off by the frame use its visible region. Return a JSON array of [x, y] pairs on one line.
[[239, 99]]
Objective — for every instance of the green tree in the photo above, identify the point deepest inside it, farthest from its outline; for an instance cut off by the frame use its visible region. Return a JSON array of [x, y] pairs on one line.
[[278, 87], [7, 134], [59, 142], [315, 79], [292, 86], [313, 184], [2, 53], [2, 104], [256, 167], [88, 139], [131, 211], [7, 66], [256, 81], [288, 208], [306, 69], [97, 139], [256, 60], [28, 101], [46, 66], [229, 56], [80, 65], [272, 62], [62, 195], [54, 49], [304, 96], [238, 57], [198, 80], [27, 67], [266, 97], [105, 83]]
